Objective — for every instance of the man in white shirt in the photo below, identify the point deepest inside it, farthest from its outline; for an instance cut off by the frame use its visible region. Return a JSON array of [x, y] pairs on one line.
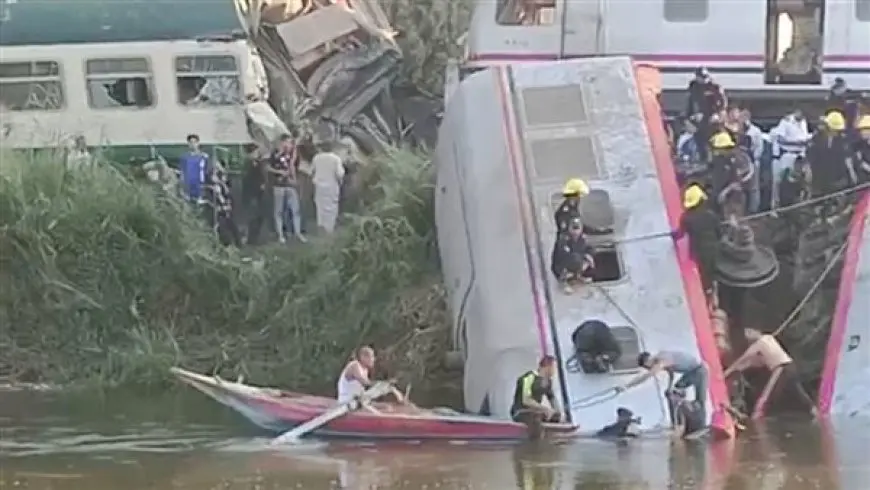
[[790, 138], [327, 175]]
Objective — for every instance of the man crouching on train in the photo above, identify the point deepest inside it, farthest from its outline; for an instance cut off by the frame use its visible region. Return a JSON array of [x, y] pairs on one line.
[[572, 260], [531, 389]]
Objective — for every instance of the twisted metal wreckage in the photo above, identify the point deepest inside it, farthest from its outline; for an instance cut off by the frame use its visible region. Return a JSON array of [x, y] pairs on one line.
[[329, 72]]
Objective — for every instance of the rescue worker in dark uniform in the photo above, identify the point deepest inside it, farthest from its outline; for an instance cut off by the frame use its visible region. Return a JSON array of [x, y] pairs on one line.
[[572, 193], [531, 389], [731, 174], [845, 101], [572, 259], [830, 156], [706, 98], [701, 225], [862, 150], [595, 347]]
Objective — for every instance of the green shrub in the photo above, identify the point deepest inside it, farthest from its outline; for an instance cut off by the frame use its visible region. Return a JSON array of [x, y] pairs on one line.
[[107, 280]]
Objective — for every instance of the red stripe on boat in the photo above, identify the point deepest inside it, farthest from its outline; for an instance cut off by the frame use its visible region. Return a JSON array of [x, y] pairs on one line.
[[648, 85]]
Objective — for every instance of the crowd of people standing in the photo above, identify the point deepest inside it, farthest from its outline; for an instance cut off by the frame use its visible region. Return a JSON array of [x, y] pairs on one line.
[[272, 185]]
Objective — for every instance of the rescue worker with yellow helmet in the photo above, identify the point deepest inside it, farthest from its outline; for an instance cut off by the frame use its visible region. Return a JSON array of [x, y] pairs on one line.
[[572, 193], [830, 155], [701, 225], [731, 172], [862, 149]]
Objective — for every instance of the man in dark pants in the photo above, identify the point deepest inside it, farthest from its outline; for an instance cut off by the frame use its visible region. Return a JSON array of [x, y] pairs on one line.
[[701, 224], [706, 99], [254, 192], [531, 388]]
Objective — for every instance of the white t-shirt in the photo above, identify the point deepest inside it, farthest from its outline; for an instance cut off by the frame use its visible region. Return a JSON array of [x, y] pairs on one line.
[[346, 388]]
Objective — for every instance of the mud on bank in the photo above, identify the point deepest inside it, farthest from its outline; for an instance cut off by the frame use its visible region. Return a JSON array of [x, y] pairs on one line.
[[107, 281]]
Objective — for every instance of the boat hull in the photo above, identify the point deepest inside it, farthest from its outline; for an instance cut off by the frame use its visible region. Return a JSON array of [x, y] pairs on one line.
[[278, 411]]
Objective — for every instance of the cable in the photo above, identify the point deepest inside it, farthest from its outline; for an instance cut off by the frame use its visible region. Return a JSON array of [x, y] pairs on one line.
[[595, 399], [762, 214]]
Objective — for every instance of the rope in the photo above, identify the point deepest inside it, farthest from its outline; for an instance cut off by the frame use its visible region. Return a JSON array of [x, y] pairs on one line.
[[762, 214], [797, 309], [595, 399]]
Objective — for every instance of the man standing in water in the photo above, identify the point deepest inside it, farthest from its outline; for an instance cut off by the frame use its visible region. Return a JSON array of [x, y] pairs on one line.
[[765, 351], [691, 370]]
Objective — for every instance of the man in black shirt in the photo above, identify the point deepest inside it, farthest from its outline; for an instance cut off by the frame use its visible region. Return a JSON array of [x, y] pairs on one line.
[[702, 226], [706, 99], [254, 192]]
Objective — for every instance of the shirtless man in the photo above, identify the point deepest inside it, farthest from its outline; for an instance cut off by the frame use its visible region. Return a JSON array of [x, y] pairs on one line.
[[765, 351], [355, 378]]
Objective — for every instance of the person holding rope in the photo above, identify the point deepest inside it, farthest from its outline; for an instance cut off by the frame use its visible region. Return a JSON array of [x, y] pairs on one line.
[[701, 224], [765, 351], [692, 372]]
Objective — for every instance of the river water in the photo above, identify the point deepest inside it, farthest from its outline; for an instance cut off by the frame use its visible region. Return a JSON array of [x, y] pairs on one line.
[[51, 441]]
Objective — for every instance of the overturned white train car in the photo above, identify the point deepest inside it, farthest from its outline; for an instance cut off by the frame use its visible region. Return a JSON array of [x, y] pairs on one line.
[[798, 46], [510, 138]]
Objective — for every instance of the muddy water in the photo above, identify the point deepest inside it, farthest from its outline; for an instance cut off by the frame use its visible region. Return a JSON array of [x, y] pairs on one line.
[[183, 442]]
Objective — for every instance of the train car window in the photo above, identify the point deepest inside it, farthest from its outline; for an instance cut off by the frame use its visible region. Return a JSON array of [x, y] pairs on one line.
[[686, 10], [862, 10], [525, 12], [208, 80], [119, 83], [31, 86]]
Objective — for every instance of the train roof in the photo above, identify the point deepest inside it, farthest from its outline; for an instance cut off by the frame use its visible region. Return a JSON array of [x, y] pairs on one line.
[[108, 21]]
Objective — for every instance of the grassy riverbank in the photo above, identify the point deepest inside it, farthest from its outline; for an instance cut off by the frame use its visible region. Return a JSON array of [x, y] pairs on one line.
[[106, 281]]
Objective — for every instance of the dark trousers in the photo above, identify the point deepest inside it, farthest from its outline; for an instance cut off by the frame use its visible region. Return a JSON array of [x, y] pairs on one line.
[[228, 232], [258, 210]]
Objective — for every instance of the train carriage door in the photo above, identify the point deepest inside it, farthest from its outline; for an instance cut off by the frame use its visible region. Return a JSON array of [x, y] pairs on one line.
[[794, 42], [583, 27]]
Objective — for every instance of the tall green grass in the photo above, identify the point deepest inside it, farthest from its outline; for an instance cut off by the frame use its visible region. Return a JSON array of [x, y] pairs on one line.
[[106, 280]]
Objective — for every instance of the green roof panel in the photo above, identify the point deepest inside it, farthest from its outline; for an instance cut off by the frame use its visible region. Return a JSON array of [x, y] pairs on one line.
[[25, 22]]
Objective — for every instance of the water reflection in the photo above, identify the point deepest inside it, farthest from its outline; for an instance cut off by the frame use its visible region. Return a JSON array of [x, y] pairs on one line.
[[49, 447]]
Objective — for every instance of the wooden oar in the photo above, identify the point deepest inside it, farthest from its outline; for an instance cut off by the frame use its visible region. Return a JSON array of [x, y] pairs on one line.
[[378, 390]]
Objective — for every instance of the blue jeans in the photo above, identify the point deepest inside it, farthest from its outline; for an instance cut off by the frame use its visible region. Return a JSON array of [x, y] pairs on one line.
[[286, 200]]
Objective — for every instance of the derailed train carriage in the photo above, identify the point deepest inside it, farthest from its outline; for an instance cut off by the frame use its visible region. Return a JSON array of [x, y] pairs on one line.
[[768, 53], [510, 138]]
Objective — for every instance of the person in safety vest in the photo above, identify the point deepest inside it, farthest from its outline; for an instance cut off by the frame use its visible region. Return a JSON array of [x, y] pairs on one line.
[[573, 191], [701, 225], [830, 156], [572, 259], [531, 389], [862, 150]]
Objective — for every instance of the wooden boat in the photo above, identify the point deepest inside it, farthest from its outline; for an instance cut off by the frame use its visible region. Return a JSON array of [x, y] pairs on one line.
[[277, 410]]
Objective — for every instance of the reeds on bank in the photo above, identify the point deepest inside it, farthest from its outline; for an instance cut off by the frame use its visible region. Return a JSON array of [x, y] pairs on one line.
[[108, 280]]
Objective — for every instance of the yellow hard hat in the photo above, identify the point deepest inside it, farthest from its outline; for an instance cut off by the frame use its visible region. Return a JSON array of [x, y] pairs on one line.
[[835, 121], [864, 122], [575, 187], [722, 140], [693, 196]]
